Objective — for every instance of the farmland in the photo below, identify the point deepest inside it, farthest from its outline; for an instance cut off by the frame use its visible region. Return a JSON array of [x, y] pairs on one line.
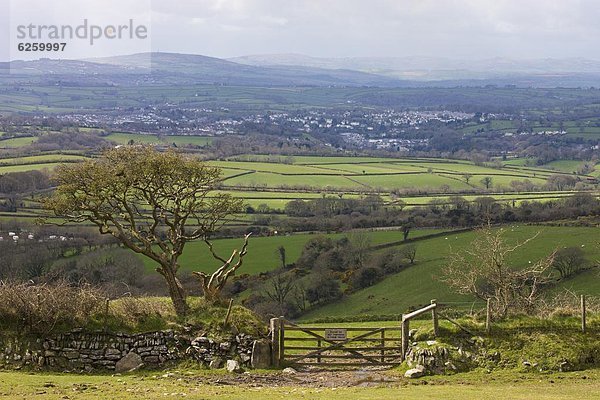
[[414, 181], [263, 257], [419, 283]]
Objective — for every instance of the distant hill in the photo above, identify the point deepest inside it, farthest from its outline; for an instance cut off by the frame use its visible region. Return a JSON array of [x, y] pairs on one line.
[[427, 69], [172, 68], [289, 70]]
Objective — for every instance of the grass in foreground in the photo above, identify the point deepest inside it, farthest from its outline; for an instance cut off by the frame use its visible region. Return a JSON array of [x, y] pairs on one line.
[[476, 385]]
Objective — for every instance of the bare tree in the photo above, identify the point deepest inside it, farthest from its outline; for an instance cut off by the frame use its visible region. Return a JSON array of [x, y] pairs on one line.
[[569, 261], [280, 252], [213, 284], [300, 296], [409, 252], [360, 243], [483, 270], [487, 182], [405, 231], [152, 202], [279, 288]]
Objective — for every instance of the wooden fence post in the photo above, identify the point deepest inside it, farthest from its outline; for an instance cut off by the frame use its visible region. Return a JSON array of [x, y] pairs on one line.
[[434, 316], [383, 346], [274, 325], [228, 312], [488, 316], [319, 347], [405, 330], [583, 312]]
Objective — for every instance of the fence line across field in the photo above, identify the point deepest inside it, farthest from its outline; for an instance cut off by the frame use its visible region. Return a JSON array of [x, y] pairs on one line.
[[371, 345]]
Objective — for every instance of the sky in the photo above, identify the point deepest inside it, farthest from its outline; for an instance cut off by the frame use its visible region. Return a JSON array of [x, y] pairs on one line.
[[460, 29]]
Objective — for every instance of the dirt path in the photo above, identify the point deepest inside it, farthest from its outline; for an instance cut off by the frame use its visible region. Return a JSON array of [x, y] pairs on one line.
[[313, 378]]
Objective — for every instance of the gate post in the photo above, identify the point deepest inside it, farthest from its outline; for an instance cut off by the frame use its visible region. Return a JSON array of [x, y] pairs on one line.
[[405, 330], [434, 316], [275, 334], [583, 312], [281, 340]]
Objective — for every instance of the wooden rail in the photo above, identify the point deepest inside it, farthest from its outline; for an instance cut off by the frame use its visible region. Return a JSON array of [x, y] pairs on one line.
[[406, 324], [335, 351]]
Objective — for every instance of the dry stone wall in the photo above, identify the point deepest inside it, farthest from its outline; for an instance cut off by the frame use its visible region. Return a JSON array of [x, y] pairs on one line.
[[88, 351]]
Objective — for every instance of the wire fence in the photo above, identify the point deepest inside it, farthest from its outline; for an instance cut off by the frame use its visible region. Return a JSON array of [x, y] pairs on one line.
[[563, 312]]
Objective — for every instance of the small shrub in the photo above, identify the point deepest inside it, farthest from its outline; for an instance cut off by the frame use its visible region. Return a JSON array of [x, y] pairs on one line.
[[46, 308]]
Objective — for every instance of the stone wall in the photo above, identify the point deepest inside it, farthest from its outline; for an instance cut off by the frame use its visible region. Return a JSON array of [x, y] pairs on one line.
[[87, 351]]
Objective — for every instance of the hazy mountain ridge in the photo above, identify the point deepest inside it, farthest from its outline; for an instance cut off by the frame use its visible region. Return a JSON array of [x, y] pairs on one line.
[[431, 68], [176, 68], [298, 70]]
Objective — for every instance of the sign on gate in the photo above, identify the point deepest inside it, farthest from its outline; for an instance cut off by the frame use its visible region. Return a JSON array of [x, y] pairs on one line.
[[336, 334]]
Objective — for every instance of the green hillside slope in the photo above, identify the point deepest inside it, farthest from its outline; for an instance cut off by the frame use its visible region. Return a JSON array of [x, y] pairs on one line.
[[422, 282]]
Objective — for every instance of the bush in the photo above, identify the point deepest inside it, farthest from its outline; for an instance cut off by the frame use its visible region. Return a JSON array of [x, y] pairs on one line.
[[46, 308], [365, 277]]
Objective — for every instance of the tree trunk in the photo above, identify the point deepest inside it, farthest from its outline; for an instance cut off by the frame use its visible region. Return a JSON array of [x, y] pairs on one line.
[[176, 292]]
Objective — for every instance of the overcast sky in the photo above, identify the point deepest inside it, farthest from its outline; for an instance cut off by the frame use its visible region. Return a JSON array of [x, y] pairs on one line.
[[344, 28]]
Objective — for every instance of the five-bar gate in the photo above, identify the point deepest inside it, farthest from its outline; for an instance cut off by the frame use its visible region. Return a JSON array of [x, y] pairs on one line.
[[343, 346], [352, 346]]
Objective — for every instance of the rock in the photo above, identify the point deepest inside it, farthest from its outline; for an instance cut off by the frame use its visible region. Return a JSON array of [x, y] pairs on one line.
[[233, 366], [216, 363], [151, 359], [131, 362], [526, 364], [416, 372], [71, 354], [112, 352], [225, 346], [450, 365], [289, 371], [261, 354]]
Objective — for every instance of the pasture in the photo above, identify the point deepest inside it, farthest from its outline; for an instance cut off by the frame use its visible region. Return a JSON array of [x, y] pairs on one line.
[[414, 181], [423, 281], [375, 174], [151, 139], [262, 251]]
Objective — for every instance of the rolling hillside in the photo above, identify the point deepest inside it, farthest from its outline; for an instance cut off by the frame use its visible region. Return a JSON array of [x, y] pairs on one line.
[[418, 284]]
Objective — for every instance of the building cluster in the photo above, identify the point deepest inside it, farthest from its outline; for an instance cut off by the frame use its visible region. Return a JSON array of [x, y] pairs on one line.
[[373, 128]]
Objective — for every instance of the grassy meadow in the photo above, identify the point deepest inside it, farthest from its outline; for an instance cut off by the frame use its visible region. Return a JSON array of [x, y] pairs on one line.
[[418, 284], [262, 252]]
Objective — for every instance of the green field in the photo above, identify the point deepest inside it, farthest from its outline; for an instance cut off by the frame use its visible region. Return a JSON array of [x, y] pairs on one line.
[[16, 142], [418, 181], [348, 173], [138, 138], [420, 283], [27, 167], [49, 158], [195, 384], [262, 250]]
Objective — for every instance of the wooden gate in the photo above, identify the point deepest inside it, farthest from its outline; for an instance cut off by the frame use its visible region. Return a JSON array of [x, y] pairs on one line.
[[349, 346], [332, 346]]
